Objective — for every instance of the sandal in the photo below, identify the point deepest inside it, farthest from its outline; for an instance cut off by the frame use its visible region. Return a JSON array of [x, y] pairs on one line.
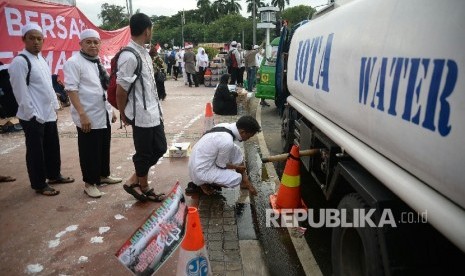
[[207, 189], [130, 190], [192, 188], [48, 191], [152, 196], [7, 178], [61, 180]]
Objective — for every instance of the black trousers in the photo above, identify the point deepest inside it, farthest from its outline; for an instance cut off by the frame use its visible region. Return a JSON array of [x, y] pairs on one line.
[[94, 153], [201, 74], [42, 152], [234, 75], [150, 145], [240, 76], [192, 78], [175, 71]]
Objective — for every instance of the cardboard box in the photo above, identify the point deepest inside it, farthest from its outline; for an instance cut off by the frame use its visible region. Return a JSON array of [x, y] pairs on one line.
[[180, 150]]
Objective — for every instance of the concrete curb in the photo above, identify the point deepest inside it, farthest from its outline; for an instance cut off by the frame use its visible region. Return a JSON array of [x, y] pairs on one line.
[[304, 253]]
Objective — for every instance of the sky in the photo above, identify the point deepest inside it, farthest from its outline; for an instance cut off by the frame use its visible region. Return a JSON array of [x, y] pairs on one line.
[[91, 8]]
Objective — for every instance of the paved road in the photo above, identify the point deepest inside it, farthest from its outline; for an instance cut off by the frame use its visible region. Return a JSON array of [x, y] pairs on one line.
[[72, 234]]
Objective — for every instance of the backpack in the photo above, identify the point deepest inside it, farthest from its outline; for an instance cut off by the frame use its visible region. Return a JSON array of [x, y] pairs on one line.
[[220, 129], [8, 103], [111, 91], [231, 59], [172, 57]]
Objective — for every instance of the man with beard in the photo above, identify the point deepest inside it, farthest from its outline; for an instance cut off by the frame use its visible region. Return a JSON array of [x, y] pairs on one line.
[[86, 82], [31, 80]]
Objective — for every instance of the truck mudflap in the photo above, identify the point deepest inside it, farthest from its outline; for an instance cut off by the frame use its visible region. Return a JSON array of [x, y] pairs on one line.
[[444, 215]]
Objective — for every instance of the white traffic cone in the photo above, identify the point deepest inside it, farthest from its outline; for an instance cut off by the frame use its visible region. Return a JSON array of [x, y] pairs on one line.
[[193, 257]]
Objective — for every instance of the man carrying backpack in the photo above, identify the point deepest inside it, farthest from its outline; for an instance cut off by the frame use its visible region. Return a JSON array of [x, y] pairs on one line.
[[234, 60], [140, 108], [216, 161], [30, 78], [86, 81]]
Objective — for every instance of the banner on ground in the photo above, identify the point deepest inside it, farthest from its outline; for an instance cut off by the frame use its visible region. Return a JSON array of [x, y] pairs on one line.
[[158, 237], [61, 26]]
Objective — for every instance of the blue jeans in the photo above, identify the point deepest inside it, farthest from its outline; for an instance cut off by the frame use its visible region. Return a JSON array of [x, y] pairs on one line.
[[251, 77]]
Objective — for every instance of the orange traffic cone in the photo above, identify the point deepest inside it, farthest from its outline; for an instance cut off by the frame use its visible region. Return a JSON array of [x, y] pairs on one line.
[[193, 257], [288, 195], [209, 121]]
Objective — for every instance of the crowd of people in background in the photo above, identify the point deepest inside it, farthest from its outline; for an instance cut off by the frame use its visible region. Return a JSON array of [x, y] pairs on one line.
[[38, 101]]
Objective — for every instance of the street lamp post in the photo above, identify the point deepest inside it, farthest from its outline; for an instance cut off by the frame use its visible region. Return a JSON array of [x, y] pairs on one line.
[[267, 21], [254, 18]]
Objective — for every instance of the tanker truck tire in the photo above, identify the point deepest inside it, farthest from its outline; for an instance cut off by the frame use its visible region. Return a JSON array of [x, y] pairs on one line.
[[287, 129], [355, 250]]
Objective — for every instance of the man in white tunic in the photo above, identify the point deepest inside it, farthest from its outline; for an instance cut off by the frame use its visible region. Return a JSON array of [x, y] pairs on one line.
[[216, 160], [141, 109], [86, 81], [31, 80]]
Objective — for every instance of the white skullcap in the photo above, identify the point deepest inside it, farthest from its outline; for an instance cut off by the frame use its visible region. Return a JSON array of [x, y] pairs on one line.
[[256, 47], [234, 43], [29, 27], [88, 33], [189, 46]]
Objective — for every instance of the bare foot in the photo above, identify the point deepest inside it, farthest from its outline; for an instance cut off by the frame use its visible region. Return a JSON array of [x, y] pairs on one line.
[[132, 180], [207, 189]]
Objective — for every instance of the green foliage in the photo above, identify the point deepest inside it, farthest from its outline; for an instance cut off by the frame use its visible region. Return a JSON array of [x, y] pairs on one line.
[[113, 17], [297, 14], [211, 52], [214, 21]]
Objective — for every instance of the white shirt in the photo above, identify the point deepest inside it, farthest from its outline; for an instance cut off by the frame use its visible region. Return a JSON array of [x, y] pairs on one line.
[[127, 64], [38, 99], [210, 155], [82, 76]]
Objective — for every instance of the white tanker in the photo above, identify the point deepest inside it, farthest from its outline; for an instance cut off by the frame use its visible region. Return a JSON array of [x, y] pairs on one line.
[[380, 87]]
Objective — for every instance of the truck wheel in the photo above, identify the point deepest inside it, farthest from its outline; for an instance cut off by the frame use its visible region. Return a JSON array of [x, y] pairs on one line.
[[355, 250], [287, 129]]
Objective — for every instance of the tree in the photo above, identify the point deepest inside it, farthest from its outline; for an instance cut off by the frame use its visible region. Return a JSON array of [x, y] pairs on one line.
[[205, 9], [234, 7], [258, 4], [220, 7], [296, 14], [280, 4], [113, 17]]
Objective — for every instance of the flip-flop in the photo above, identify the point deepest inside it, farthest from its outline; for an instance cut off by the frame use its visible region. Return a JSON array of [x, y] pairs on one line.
[[48, 191], [130, 190], [152, 196], [7, 179], [61, 180]]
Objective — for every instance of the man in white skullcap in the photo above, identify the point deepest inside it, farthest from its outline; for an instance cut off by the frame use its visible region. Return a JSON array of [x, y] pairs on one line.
[[189, 61], [86, 82], [31, 80], [235, 58]]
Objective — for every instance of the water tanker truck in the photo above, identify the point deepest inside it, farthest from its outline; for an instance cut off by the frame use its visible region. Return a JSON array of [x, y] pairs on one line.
[[379, 87]]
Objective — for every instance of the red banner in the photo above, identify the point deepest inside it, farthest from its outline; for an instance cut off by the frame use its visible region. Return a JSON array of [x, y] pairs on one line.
[[61, 26]]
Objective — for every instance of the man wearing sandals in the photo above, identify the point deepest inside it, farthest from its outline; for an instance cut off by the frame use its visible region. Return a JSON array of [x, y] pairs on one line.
[[86, 82], [217, 161], [37, 106], [141, 108]]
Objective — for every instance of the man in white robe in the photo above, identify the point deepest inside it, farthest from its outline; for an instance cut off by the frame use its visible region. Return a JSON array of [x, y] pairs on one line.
[[216, 160]]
